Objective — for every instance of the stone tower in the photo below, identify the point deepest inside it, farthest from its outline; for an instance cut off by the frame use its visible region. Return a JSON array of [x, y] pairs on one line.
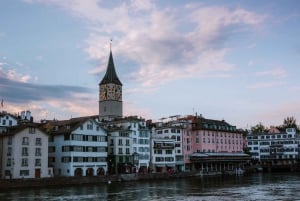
[[110, 93]]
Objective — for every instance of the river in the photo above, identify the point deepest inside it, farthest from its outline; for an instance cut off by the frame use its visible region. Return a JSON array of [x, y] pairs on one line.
[[261, 186]]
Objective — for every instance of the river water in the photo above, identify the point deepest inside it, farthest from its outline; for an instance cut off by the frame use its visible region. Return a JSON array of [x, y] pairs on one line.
[[261, 186]]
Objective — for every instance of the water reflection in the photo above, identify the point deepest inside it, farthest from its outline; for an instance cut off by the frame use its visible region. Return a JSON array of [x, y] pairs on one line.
[[253, 187]]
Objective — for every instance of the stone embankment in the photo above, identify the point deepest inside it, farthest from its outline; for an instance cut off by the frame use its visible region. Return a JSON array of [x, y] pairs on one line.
[[69, 181]]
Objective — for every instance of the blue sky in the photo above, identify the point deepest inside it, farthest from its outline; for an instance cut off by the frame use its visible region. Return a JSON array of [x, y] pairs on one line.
[[232, 59]]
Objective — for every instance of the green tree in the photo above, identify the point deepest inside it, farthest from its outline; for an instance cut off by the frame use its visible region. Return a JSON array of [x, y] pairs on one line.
[[289, 122], [259, 128]]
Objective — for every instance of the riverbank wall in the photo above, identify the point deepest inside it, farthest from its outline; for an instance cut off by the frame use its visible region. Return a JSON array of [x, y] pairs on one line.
[[69, 181]]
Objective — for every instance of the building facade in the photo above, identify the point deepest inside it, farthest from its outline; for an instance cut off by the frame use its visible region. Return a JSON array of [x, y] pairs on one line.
[[77, 147], [274, 145], [163, 155], [174, 132], [129, 145], [25, 152], [210, 136]]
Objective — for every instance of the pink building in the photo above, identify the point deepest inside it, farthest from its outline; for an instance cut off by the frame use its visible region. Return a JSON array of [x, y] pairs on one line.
[[210, 136]]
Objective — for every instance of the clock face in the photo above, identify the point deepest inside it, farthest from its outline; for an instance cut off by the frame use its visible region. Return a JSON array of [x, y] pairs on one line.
[[103, 92], [110, 92], [118, 93]]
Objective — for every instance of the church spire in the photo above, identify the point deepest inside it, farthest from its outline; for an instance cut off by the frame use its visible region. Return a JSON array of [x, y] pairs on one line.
[[110, 75]]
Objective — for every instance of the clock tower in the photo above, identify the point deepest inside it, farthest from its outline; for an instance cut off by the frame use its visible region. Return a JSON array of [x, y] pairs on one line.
[[110, 93]]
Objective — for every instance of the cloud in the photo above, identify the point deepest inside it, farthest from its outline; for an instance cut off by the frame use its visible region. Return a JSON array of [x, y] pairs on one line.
[[45, 101], [260, 85], [19, 91], [164, 44], [11, 74], [164, 52], [276, 72]]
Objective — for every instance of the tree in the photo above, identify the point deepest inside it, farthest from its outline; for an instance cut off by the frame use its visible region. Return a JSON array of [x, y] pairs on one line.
[[289, 122], [259, 128]]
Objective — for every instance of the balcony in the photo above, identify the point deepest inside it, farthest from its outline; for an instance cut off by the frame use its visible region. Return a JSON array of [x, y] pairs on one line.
[[163, 146]]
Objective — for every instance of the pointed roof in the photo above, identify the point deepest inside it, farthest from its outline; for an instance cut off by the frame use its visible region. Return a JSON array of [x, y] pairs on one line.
[[110, 75]]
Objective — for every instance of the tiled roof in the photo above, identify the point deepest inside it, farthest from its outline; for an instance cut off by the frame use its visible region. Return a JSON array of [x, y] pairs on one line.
[[110, 75], [201, 123], [16, 129], [64, 126]]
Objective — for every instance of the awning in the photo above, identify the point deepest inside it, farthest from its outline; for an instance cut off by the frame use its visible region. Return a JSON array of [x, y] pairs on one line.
[[160, 165], [170, 165]]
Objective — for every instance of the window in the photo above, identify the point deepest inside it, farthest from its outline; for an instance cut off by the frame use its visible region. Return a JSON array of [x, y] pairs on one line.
[[89, 149], [66, 159], [24, 162], [101, 139], [9, 142], [38, 152], [24, 151], [38, 162], [77, 137], [51, 159], [89, 126], [159, 151], [10, 123], [120, 151], [31, 130], [120, 142], [159, 159], [78, 159], [51, 149], [65, 148], [101, 149], [168, 151], [8, 162], [25, 141], [169, 159], [90, 138], [24, 172], [127, 151], [9, 151], [100, 159], [78, 148], [38, 141]]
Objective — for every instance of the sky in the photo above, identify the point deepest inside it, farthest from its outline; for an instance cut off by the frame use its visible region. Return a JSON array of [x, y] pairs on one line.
[[232, 60]]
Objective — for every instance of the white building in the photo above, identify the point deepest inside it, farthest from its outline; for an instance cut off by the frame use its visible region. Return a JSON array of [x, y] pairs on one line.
[[25, 152], [173, 132], [77, 147], [119, 150], [129, 144], [163, 155], [7, 120], [274, 145]]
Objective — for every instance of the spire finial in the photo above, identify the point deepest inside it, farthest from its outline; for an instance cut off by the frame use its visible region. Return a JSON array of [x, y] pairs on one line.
[[110, 44]]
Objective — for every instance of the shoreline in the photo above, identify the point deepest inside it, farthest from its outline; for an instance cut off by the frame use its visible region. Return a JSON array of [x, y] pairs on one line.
[[73, 181], [6, 184]]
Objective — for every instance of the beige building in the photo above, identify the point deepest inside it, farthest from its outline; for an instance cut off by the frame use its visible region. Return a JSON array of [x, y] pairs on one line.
[[25, 152]]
